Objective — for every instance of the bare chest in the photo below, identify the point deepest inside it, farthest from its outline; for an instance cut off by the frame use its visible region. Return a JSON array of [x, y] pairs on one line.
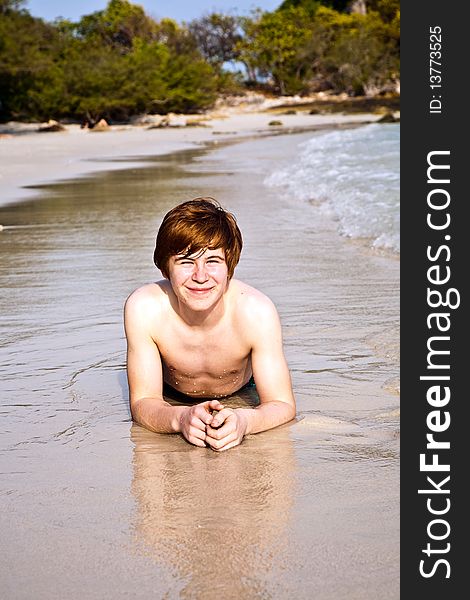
[[205, 364]]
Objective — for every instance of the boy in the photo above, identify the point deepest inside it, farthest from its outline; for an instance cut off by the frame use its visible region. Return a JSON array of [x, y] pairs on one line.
[[205, 334]]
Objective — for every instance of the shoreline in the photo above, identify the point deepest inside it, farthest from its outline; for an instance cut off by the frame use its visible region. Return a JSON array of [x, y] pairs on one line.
[[30, 158]]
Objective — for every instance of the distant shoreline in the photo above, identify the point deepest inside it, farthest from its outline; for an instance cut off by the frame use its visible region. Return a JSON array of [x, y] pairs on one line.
[[320, 103]]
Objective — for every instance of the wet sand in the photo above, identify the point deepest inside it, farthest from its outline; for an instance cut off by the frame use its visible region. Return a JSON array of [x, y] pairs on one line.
[[94, 506]]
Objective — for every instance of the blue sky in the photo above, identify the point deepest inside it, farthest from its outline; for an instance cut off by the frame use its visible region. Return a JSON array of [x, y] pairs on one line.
[[180, 10]]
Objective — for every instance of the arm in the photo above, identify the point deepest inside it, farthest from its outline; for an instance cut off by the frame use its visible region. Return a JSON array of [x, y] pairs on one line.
[[144, 374], [273, 383], [271, 374]]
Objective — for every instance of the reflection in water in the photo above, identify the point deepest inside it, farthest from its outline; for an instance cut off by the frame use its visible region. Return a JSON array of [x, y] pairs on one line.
[[216, 520]]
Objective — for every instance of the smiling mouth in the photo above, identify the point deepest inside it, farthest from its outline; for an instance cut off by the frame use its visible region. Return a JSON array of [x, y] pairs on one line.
[[199, 291]]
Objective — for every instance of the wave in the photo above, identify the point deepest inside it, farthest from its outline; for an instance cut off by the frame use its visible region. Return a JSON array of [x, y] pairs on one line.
[[352, 175]]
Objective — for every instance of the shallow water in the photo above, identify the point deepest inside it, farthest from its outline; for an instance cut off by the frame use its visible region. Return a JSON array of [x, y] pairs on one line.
[[91, 502], [354, 177]]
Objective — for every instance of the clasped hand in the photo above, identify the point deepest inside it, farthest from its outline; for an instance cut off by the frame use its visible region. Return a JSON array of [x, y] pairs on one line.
[[221, 431]]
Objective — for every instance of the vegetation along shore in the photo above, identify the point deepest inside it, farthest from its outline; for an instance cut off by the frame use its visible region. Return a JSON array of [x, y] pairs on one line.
[[118, 63]]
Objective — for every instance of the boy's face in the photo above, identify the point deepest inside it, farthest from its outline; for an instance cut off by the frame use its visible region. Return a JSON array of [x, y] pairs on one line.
[[199, 280]]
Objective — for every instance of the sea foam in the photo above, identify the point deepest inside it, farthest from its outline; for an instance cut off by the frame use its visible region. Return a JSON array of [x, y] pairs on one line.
[[353, 176]]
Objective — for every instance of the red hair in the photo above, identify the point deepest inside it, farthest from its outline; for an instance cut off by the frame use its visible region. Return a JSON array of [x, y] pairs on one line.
[[194, 226]]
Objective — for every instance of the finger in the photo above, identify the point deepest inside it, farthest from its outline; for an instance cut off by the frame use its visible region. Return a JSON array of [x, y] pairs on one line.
[[211, 424], [209, 405], [215, 405], [197, 442], [202, 414], [236, 442], [197, 421], [221, 432], [197, 437], [197, 433], [221, 417], [229, 428], [223, 444]]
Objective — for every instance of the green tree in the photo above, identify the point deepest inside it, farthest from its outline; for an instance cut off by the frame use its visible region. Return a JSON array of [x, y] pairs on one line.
[[28, 48], [118, 25], [118, 61], [217, 36], [355, 53], [388, 10], [189, 73], [190, 85], [178, 39], [270, 47], [100, 82], [9, 5]]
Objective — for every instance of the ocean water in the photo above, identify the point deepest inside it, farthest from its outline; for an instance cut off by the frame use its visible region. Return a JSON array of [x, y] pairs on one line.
[[352, 176]]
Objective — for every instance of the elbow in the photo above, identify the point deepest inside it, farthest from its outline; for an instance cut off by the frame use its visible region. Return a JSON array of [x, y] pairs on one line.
[[291, 413], [136, 412], [135, 415], [288, 411]]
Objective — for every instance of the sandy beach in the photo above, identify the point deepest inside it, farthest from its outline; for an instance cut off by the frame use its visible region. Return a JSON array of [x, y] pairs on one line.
[[93, 506], [29, 158]]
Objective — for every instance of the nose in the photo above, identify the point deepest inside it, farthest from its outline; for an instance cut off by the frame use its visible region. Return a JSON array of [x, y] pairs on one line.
[[199, 272]]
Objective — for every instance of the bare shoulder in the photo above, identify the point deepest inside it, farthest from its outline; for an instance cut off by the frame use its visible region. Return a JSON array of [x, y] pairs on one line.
[[147, 301], [254, 308]]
